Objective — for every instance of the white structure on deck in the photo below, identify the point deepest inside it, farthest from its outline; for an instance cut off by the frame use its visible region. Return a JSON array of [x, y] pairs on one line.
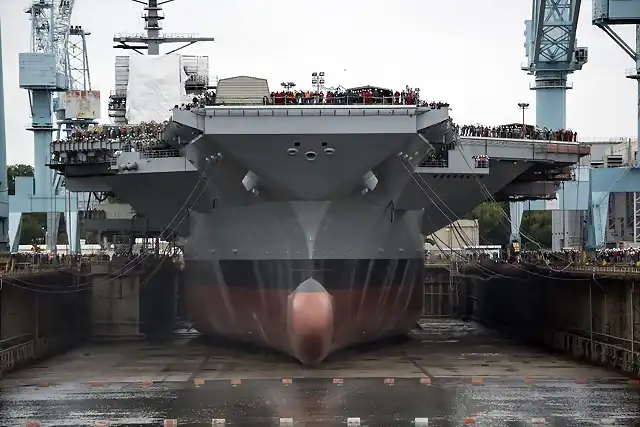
[[242, 90], [459, 235]]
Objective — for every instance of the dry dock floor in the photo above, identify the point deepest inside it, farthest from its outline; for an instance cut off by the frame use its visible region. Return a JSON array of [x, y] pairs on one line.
[[451, 373]]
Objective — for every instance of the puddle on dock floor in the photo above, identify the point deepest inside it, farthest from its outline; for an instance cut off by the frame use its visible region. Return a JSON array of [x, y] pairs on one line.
[[449, 372]]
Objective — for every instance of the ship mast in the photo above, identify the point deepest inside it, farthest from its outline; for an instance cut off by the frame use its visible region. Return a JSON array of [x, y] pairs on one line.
[[153, 37]]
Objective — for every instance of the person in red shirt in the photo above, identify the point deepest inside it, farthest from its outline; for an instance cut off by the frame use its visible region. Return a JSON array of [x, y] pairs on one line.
[[410, 97]]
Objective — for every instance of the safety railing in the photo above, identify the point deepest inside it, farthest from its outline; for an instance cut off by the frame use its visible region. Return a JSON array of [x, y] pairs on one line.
[[26, 268], [434, 164], [310, 111], [143, 36], [608, 139], [13, 341], [20, 354], [481, 162], [319, 99], [544, 146], [550, 84], [604, 269], [515, 136], [605, 349]]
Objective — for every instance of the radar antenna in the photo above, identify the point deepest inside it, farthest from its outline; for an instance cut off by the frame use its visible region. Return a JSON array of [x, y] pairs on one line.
[[153, 37]]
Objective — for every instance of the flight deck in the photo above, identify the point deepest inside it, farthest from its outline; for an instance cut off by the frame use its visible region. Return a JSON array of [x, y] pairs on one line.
[[448, 373]]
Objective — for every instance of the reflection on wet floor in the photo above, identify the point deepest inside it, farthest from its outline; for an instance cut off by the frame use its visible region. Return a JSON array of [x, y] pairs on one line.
[[450, 374]]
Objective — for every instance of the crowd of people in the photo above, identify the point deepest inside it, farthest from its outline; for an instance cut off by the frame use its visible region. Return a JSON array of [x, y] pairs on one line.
[[366, 95], [515, 131], [135, 137], [601, 257], [39, 260], [611, 257], [199, 101]]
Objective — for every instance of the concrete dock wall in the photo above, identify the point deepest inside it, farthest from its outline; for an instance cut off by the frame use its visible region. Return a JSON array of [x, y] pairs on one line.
[[40, 315], [45, 313], [585, 315], [439, 294], [134, 301]]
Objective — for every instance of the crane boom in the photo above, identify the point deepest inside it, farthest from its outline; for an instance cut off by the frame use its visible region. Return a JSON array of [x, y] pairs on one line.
[[61, 27], [50, 25]]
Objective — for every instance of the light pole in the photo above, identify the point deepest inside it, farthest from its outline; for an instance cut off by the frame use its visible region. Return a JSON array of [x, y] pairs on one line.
[[287, 86], [317, 79], [523, 106]]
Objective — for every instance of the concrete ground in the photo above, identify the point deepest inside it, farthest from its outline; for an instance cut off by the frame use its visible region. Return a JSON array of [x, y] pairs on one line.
[[451, 373]]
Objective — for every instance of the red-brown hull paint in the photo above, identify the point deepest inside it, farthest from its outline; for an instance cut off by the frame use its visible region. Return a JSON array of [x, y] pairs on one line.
[[307, 325]]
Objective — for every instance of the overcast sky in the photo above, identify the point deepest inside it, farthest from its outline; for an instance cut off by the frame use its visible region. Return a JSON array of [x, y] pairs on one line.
[[465, 52]]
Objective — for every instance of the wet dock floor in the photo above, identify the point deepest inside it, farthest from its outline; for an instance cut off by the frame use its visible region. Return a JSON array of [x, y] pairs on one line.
[[451, 374]]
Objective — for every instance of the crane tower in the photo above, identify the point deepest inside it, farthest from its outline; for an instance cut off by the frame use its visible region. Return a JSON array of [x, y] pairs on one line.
[[4, 188], [552, 55], [605, 181], [47, 73]]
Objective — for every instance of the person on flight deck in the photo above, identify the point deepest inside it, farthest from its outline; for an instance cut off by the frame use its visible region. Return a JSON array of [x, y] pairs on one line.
[[396, 97], [307, 97], [410, 97], [329, 98], [403, 97]]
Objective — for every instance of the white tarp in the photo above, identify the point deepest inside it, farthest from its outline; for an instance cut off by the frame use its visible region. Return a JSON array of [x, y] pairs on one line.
[[156, 85]]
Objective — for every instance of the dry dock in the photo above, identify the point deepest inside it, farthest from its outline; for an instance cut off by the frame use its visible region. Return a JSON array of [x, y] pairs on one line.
[[451, 373]]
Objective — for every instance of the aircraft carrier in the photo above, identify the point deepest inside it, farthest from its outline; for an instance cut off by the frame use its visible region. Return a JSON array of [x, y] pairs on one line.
[[302, 225]]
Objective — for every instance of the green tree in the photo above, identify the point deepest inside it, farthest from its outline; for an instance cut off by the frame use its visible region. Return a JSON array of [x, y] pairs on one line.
[[537, 226], [17, 170], [494, 226]]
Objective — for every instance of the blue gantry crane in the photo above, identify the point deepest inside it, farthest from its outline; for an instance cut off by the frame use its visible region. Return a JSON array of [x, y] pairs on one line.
[[552, 55], [603, 182], [45, 73], [4, 187], [550, 43]]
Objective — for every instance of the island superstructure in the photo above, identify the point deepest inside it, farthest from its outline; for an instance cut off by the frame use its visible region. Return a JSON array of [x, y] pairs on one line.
[[302, 225]]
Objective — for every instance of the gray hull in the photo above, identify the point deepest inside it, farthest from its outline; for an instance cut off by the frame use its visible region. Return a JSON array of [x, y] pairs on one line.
[[304, 249], [305, 277]]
